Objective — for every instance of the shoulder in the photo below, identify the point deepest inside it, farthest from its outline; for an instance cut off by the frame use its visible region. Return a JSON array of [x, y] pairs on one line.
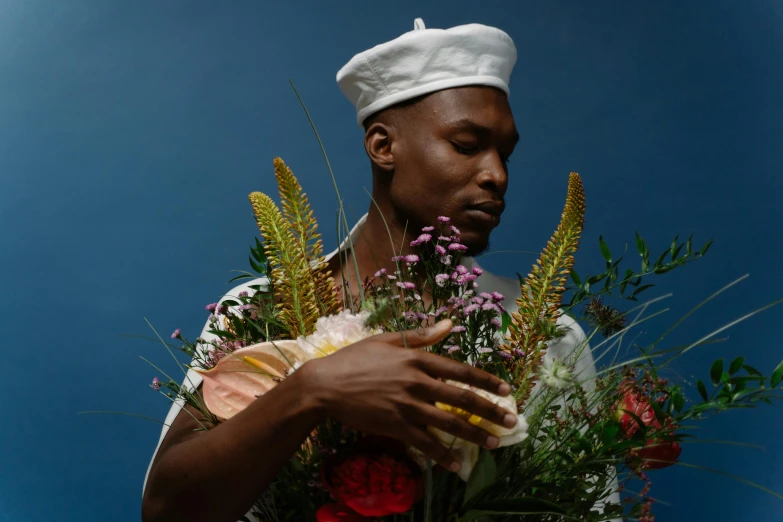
[[251, 287]]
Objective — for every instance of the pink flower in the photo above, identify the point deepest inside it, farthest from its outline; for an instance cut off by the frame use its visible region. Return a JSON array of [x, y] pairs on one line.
[[392, 277], [446, 260], [495, 321], [423, 238], [411, 258], [458, 329], [440, 250], [486, 349], [397, 258], [155, 384], [461, 270], [427, 229], [455, 230], [243, 293], [176, 335], [441, 279], [441, 310], [444, 238], [451, 348], [211, 307], [477, 300], [485, 295], [443, 219], [458, 246], [407, 285], [477, 271], [504, 355], [490, 306], [470, 309], [497, 297], [380, 272]]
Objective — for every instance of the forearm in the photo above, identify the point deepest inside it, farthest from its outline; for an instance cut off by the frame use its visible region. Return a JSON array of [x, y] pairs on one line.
[[217, 475]]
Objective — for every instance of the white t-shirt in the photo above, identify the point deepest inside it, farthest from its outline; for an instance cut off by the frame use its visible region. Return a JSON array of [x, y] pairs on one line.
[[508, 287]]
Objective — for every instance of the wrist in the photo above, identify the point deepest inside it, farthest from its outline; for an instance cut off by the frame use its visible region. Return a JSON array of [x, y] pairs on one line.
[[314, 399]]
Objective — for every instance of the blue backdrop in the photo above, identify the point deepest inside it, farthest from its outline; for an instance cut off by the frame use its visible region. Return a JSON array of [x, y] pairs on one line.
[[132, 132]]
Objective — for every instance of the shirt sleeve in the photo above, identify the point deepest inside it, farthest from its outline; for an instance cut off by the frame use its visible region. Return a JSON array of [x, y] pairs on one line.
[[192, 379]]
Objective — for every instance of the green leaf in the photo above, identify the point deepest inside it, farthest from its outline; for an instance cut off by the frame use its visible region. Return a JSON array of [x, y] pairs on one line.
[[706, 247], [724, 377], [777, 375], [640, 246], [575, 278], [736, 365], [674, 245], [678, 401], [715, 371], [751, 370], [688, 246], [677, 252], [609, 434], [505, 319], [258, 252], [514, 506], [702, 390], [257, 267], [605, 250], [626, 280], [641, 289], [659, 261], [596, 278], [659, 413], [482, 476]]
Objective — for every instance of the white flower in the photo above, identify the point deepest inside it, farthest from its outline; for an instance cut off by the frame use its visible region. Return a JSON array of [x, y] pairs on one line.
[[467, 452], [336, 331], [554, 374]]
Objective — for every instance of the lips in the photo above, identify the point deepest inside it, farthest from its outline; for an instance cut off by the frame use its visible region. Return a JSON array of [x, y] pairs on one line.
[[488, 213], [493, 208]]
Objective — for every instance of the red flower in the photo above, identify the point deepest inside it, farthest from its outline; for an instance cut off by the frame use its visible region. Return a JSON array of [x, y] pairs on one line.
[[377, 478], [657, 453]]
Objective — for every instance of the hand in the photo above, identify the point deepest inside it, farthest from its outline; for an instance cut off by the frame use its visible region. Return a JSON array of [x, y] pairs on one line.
[[383, 385]]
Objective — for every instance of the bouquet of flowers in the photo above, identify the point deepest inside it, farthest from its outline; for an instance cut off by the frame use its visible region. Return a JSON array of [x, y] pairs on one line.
[[576, 435]]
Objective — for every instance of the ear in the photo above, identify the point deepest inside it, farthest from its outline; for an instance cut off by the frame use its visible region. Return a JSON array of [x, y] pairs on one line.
[[378, 140]]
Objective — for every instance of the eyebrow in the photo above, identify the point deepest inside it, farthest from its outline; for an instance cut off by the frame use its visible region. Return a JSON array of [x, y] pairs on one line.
[[467, 124]]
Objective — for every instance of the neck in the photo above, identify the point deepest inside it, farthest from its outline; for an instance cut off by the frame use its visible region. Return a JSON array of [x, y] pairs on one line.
[[382, 237]]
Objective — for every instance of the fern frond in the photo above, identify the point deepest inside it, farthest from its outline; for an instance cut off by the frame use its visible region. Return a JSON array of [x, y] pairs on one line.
[[290, 270], [539, 305], [299, 214]]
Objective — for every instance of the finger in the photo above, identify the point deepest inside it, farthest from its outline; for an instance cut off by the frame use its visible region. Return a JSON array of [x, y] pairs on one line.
[[432, 448], [471, 402], [458, 427], [444, 368], [419, 337]]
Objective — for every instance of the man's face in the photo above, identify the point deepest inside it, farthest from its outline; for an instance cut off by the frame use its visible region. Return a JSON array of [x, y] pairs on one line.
[[451, 159]]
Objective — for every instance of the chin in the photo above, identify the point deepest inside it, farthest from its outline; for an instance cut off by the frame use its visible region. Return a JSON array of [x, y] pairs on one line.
[[476, 243]]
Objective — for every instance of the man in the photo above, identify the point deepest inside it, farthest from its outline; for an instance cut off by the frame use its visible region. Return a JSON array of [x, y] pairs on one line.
[[439, 131]]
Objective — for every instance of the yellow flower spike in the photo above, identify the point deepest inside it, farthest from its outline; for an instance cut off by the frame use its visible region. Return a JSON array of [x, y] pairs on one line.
[[262, 366], [539, 304]]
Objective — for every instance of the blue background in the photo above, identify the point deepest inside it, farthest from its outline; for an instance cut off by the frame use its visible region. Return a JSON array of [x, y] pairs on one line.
[[132, 132]]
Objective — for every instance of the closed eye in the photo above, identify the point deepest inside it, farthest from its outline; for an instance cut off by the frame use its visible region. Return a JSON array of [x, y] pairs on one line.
[[468, 151]]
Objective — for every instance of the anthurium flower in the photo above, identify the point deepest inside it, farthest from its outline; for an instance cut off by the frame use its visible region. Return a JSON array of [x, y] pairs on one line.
[[466, 452]]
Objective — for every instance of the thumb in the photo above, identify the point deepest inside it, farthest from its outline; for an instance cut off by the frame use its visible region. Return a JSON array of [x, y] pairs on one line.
[[421, 336]]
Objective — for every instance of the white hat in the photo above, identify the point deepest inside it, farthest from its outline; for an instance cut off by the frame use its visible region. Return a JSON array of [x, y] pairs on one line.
[[424, 61]]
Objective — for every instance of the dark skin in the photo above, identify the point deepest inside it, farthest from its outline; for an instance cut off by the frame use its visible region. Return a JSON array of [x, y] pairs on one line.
[[445, 154]]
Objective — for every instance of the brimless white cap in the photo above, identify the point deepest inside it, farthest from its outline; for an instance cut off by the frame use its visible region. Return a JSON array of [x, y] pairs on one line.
[[424, 61]]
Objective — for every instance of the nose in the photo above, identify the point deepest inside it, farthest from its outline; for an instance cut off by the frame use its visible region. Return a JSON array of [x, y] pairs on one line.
[[494, 175]]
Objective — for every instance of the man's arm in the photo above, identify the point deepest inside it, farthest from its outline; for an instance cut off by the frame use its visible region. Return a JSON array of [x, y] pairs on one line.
[[188, 478], [380, 385]]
